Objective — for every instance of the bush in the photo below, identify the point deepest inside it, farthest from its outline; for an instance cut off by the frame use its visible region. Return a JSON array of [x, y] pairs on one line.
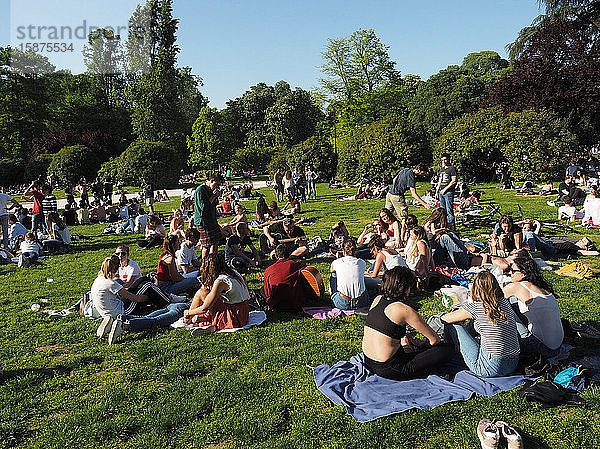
[[71, 163], [251, 159], [316, 152], [11, 172], [153, 161], [534, 144], [379, 150]]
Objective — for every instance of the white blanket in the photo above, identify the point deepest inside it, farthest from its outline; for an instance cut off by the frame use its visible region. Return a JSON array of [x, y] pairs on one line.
[[256, 318]]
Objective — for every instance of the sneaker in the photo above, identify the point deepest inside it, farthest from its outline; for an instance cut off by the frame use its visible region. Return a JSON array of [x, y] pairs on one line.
[[115, 332], [488, 434], [21, 261], [105, 327], [177, 298], [513, 439]]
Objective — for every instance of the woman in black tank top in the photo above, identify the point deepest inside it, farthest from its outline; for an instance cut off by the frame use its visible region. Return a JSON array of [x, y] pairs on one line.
[[386, 326]]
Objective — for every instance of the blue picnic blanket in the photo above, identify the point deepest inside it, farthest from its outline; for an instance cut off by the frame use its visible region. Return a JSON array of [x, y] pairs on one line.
[[367, 396]]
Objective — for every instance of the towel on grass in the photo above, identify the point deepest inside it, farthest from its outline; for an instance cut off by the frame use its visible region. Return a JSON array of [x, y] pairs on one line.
[[366, 396], [256, 318], [322, 313]]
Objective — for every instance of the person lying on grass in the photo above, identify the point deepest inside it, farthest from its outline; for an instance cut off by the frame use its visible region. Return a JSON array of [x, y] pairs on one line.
[[537, 311], [222, 301], [492, 317], [385, 328]]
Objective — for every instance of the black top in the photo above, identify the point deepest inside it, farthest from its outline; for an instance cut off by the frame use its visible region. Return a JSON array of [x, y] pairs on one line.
[[446, 175], [233, 240], [404, 180], [277, 228], [378, 320]]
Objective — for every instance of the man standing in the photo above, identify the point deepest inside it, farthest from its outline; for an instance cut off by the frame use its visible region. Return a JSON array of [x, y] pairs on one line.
[[445, 188], [38, 211], [405, 180], [206, 197], [4, 200]]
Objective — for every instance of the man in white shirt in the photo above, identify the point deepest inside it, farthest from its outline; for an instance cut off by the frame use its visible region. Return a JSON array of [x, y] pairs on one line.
[[4, 200], [185, 257], [15, 229], [141, 221], [347, 282]]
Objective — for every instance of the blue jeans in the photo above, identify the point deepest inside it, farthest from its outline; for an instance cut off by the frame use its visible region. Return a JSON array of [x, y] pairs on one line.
[[4, 224], [364, 300], [31, 256], [480, 361], [159, 318], [129, 226], [450, 246], [38, 221], [530, 344], [447, 203], [536, 243], [188, 285]]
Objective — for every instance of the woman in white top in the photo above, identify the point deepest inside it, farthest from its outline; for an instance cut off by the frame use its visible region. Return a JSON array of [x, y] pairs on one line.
[[387, 257], [538, 314], [222, 302], [418, 253], [289, 186]]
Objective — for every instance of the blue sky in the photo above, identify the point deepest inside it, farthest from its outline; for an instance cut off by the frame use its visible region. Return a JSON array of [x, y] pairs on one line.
[[233, 44]]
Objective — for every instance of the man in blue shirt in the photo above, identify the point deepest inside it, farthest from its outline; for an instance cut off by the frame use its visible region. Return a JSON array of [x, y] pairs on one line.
[[405, 180]]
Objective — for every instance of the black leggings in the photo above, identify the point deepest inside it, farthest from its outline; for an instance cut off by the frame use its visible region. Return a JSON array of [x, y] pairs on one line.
[[157, 299], [406, 366]]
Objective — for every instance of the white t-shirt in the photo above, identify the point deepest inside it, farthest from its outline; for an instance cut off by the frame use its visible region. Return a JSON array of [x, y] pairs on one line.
[[30, 247], [15, 230], [592, 211], [140, 223], [104, 297], [569, 211], [130, 271], [350, 273], [185, 255], [4, 199], [65, 235]]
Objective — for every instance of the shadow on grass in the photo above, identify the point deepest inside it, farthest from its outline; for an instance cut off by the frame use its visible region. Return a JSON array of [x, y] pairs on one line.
[[41, 374]]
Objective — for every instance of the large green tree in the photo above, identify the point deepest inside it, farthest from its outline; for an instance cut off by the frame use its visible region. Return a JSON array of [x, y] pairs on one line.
[[356, 64]]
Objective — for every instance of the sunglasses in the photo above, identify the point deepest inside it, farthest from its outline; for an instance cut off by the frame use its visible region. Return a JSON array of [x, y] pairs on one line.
[[121, 254]]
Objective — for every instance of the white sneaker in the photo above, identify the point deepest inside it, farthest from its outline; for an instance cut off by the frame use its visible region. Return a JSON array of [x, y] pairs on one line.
[[115, 332], [105, 327], [177, 298]]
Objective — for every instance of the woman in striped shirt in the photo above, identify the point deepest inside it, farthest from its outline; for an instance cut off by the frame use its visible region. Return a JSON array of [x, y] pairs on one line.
[[497, 353]]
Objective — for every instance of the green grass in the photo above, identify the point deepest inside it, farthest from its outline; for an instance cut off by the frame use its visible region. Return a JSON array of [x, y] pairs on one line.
[[62, 387]]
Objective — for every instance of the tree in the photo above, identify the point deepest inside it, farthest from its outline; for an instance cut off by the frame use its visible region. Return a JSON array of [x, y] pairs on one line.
[[559, 70], [317, 153], [71, 163], [533, 144], [356, 64], [380, 149], [210, 143]]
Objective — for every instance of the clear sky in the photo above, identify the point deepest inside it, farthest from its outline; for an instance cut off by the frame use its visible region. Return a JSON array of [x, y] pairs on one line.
[[233, 44]]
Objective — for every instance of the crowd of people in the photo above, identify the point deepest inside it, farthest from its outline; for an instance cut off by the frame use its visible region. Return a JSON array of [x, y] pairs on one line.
[[511, 308]]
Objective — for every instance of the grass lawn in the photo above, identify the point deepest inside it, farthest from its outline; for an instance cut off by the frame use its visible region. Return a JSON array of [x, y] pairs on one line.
[[63, 387]]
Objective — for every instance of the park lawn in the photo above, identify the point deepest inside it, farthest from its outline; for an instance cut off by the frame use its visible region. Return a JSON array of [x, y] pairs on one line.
[[63, 387]]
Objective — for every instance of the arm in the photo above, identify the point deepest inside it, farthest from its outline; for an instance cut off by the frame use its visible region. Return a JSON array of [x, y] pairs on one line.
[[173, 273], [518, 240], [378, 262], [126, 294], [415, 195], [456, 316], [267, 232], [361, 237], [414, 320], [218, 288], [453, 182], [255, 252]]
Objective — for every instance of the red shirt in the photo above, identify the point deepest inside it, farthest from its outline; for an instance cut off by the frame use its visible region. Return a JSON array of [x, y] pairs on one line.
[[37, 201], [283, 285]]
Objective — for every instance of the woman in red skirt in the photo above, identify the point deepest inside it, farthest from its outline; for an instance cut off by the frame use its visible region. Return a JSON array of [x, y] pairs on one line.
[[222, 301]]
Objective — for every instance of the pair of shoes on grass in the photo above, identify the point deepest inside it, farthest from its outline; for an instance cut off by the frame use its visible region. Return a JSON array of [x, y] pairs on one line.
[[491, 432], [24, 262], [111, 328]]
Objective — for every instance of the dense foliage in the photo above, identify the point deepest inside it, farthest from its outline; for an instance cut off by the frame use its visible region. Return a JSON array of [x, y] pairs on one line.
[[534, 145], [71, 163], [151, 161]]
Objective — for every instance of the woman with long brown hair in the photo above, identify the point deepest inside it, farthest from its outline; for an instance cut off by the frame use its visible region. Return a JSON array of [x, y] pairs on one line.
[[497, 353], [168, 277], [222, 302]]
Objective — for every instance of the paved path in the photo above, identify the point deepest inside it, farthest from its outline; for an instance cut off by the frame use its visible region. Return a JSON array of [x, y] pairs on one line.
[[172, 193]]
